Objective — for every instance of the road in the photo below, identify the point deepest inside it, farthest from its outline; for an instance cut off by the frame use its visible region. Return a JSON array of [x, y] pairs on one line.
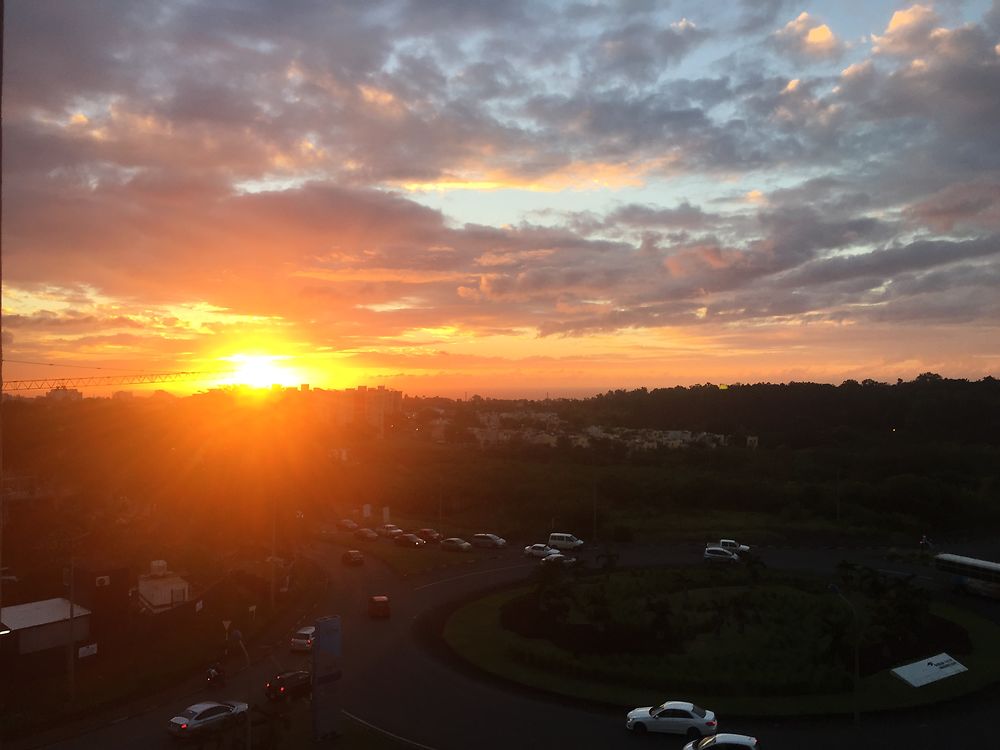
[[394, 683]]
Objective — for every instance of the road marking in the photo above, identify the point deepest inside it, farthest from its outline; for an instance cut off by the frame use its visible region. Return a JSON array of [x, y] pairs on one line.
[[385, 731], [474, 573]]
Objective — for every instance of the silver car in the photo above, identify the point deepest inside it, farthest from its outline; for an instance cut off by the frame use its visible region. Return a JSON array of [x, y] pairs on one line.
[[302, 639], [205, 717], [720, 555], [724, 742], [672, 717]]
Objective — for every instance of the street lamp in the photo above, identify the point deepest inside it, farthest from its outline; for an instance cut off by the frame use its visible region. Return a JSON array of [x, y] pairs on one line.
[[857, 647]]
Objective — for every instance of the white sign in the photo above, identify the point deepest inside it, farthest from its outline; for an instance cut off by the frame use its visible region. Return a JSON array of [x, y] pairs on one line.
[[198, 605], [90, 650], [225, 624], [929, 670]]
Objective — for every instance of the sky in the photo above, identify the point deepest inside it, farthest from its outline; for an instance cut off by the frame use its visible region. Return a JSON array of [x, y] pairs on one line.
[[519, 198]]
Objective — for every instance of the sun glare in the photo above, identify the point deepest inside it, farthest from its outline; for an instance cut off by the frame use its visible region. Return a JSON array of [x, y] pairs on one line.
[[260, 371]]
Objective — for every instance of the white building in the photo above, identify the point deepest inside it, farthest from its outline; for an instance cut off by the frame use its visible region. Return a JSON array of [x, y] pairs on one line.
[[44, 624], [160, 589]]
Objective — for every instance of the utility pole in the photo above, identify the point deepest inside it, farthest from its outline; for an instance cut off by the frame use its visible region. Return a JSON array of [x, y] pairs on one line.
[[274, 544], [595, 512], [71, 648], [71, 653], [857, 648]]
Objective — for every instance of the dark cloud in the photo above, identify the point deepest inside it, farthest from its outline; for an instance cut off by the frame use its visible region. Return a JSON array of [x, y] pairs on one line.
[[253, 157], [684, 216]]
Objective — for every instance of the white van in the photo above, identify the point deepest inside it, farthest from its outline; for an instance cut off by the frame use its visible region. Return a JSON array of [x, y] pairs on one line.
[[563, 541]]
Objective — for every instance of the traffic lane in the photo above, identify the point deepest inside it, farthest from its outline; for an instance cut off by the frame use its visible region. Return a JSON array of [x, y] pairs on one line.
[[390, 685]]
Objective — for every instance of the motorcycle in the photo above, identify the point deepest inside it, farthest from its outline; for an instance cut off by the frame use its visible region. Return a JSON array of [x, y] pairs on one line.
[[215, 676]]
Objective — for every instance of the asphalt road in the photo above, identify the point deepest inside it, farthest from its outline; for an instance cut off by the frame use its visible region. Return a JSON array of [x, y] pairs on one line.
[[394, 683]]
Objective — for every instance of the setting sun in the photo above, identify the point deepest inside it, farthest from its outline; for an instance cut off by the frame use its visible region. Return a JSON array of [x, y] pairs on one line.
[[260, 371]]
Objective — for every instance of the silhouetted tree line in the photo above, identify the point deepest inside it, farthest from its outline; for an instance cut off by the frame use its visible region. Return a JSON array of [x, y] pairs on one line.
[[800, 414]]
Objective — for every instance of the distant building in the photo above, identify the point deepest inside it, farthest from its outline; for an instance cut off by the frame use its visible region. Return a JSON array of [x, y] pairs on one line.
[[62, 393], [376, 407]]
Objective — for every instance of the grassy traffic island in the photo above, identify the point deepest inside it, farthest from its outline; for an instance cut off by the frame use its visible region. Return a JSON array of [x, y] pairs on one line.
[[742, 641]]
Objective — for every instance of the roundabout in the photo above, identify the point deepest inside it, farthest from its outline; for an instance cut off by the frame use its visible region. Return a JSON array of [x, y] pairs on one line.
[[772, 646]]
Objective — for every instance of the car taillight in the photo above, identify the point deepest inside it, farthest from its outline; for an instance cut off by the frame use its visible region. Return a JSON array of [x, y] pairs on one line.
[[281, 689], [184, 726], [710, 723]]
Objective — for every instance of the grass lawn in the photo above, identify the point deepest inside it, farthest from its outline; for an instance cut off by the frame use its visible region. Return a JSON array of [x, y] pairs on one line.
[[474, 633]]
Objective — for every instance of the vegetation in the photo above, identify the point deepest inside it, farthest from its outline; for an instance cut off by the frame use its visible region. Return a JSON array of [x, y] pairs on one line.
[[196, 481], [780, 645]]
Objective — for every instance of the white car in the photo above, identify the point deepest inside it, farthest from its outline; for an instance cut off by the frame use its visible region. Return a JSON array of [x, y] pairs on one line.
[[539, 550], [389, 530], [302, 639], [724, 742], [455, 544], [720, 555], [488, 540], [672, 717], [205, 717]]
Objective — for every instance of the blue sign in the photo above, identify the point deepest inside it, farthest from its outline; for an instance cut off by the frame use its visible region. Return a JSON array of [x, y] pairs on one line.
[[326, 674]]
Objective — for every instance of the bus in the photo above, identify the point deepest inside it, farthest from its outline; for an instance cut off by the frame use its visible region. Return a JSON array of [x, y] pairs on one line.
[[978, 576]]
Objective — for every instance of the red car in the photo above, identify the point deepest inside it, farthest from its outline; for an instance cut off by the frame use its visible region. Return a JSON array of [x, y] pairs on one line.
[[378, 606]]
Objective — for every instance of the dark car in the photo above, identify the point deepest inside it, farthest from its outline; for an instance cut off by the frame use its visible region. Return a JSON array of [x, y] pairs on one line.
[[378, 606], [409, 540], [429, 535], [285, 685], [347, 524], [353, 557], [367, 535]]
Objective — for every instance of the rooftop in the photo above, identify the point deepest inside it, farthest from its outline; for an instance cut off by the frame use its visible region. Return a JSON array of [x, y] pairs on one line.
[[33, 614]]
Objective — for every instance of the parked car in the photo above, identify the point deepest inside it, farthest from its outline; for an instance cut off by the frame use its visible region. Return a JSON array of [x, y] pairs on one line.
[[431, 536], [724, 742], [563, 541], [353, 557], [539, 550], [285, 685], [347, 524], [730, 544], [409, 540], [302, 639], [718, 554], [208, 716], [672, 717], [454, 544], [558, 559], [491, 541], [366, 535], [378, 606], [389, 530]]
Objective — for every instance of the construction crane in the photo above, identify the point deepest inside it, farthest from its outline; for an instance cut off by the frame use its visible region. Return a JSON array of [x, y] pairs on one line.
[[11, 386]]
